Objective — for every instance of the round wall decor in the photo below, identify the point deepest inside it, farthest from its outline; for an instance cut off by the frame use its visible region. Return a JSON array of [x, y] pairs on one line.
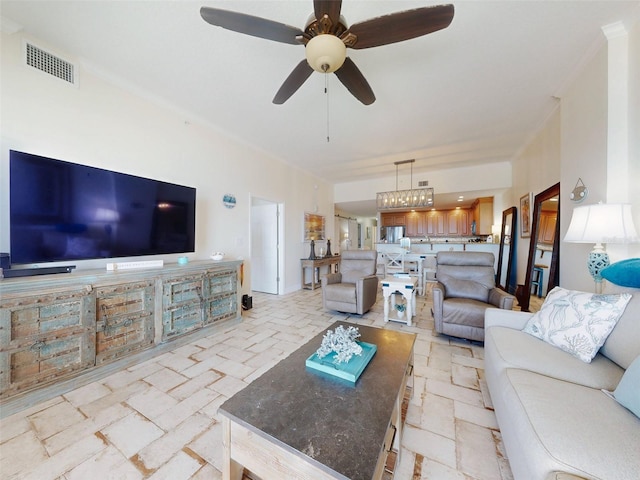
[[229, 200]]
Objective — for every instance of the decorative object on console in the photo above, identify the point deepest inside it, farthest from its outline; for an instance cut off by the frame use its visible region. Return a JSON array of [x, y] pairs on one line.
[[625, 273], [328, 254], [421, 197], [601, 223], [335, 355], [341, 341], [525, 215], [312, 253], [580, 192], [217, 256], [577, 322]]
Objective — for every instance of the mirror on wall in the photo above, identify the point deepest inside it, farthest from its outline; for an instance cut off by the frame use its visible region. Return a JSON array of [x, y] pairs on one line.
[[542, 264], [505, 275]]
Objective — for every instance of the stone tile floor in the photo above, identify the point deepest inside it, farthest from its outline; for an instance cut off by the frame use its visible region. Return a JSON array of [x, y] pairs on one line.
[[158, 419]]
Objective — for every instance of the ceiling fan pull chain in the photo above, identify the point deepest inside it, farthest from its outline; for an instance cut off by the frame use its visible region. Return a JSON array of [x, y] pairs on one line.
[[326, 92]]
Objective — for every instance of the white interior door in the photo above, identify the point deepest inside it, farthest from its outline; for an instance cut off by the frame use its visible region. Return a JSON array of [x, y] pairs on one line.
[[264, 246]]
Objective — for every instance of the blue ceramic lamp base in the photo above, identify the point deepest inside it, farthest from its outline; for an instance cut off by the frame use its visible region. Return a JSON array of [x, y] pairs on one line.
[[598, 259]]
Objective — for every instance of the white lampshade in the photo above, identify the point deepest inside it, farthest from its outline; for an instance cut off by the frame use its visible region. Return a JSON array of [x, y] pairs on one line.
[[325, 53], [602, 223]]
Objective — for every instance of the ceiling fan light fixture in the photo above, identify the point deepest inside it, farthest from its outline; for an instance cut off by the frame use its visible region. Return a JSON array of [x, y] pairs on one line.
[[325, 53]]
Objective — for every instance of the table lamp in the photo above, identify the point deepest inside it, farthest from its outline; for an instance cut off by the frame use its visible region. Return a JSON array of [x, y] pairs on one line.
[[601, 223]]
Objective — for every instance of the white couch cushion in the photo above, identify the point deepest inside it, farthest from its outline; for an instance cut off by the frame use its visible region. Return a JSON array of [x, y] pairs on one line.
[[577, 322], [568, 427], [514, 349]]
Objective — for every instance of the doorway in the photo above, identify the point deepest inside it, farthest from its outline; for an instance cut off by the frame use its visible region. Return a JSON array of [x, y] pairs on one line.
[[265, 246]]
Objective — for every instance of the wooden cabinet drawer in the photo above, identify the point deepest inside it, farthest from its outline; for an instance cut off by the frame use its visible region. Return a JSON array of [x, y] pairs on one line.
[[182, 302], [125, 320], [220, 308], [221, 282], [45, 337]]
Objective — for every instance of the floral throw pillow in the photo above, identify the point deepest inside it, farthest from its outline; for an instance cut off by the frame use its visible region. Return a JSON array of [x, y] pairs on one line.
[[577, 322]]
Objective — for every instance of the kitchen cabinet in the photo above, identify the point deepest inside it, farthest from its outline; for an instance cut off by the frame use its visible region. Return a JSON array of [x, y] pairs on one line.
[[482, 210], [436, 223], [416, 224], [547, 228], [433, 223], [393, 219], [458, 222]]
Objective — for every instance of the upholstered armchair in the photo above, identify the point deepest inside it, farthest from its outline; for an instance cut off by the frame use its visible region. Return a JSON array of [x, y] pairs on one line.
[[355, 287], [465, 288]]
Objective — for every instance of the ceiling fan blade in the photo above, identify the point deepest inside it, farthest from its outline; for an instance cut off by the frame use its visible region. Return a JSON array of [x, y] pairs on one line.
[[401, 26], [293, 82], [250, 25], [352, 78], [330, 7]]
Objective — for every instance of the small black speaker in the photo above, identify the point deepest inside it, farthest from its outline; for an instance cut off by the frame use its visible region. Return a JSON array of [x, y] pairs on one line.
[[247, 302], [5, 261]]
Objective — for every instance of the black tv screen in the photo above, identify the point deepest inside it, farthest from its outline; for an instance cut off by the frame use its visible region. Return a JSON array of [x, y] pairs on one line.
[[62, 211]]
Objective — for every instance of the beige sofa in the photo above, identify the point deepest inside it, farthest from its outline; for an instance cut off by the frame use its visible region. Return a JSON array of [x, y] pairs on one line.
[[554, 418]]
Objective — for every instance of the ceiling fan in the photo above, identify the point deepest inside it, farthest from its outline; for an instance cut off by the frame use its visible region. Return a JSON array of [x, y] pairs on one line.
[[327, 36]]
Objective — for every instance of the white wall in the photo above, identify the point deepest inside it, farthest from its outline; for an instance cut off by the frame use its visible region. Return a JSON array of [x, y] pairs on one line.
[[594, 129], [534, 170], [108, 126]]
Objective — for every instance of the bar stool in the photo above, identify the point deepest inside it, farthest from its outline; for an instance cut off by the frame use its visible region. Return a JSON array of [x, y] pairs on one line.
[[428, 272], [537, 280]]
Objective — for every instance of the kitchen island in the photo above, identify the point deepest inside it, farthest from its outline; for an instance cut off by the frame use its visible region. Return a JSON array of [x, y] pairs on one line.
[[423, 255]]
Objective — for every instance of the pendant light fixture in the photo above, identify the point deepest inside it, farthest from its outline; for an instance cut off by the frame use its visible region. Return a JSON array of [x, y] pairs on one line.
[[405, 199]]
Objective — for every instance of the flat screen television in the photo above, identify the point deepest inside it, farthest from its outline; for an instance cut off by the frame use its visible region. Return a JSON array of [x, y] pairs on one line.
[[61, 211]]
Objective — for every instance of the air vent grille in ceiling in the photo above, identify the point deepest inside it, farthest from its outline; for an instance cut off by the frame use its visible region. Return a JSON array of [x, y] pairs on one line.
[[48, 63], [423, 183]]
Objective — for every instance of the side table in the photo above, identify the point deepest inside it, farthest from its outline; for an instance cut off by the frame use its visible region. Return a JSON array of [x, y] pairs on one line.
[[406, 286], [315, 266]]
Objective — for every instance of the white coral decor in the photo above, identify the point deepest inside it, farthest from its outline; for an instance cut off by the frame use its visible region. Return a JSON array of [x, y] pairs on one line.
[[342, 341]]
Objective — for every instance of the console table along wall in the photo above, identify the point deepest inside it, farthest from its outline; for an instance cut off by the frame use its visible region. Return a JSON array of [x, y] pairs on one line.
[[56, 328], [315, 266]]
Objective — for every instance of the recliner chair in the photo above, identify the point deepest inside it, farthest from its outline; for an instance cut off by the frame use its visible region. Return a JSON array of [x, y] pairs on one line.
[[355, 287], [464, 289]]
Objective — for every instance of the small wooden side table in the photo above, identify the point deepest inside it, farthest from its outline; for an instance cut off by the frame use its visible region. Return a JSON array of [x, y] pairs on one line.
[[315, 266], [406, 286]]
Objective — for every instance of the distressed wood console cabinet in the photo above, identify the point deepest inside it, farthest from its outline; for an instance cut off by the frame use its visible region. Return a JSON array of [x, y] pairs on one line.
[[56, 327]]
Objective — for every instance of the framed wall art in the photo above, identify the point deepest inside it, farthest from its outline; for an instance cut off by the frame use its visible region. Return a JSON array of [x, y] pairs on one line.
[[525, 215], [313, 227]]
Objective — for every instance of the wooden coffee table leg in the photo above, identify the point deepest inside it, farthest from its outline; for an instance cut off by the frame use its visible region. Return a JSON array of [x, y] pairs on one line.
[[231, 470]]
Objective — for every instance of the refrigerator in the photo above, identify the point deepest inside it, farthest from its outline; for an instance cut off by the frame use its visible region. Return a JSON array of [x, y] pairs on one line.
[[392, 234]]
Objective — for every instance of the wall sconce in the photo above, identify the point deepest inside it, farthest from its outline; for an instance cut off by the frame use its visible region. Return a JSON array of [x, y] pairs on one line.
[[579, 193], [601, 223]]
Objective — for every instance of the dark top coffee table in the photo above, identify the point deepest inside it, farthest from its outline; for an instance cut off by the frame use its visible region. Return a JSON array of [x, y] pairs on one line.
[[297, 423]]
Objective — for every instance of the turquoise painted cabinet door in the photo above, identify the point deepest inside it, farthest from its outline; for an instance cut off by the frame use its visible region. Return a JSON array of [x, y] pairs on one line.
[[182, 300], [125, 319], [221, 296], [45, 337]]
